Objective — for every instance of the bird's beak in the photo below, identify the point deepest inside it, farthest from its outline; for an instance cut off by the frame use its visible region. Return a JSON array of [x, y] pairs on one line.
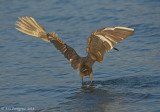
[[84, 70]]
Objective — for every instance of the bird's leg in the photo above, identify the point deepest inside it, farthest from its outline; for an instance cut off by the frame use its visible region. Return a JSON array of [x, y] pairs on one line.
[[81, 78], [82, 81], [90, 75]]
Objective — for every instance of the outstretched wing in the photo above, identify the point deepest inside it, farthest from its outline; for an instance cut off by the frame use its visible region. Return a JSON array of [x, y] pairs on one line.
[[103, 40], [67, 51], [30, 26]]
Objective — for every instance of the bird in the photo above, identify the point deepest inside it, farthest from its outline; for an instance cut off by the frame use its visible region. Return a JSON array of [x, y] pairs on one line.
[[99, 42]]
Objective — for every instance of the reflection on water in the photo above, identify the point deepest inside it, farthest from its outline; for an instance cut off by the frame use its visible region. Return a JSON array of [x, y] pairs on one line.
[[108, 98], [92, 99]]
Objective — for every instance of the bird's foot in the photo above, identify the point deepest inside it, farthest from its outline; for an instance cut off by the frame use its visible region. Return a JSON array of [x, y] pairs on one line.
[[82, 83], [91, 84]]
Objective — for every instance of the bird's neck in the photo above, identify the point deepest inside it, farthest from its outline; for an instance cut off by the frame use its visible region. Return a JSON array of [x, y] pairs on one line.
[[87, 61]]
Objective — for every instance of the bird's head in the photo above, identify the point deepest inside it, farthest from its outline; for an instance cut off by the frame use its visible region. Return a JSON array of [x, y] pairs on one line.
[[85, 70]]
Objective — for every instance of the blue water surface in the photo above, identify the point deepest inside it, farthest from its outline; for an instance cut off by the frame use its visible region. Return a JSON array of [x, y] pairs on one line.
[[35, 77]]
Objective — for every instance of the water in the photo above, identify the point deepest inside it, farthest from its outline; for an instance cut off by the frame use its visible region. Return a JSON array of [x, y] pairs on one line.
[[34, 76]]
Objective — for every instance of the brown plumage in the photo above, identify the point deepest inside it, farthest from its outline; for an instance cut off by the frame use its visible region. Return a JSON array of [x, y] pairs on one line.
[[100, 42]]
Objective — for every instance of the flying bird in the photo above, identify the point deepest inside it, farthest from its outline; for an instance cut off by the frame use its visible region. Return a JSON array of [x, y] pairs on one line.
[[99, 42]]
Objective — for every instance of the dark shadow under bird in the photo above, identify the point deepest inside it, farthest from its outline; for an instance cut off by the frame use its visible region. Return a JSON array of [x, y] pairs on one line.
[[100, 42]]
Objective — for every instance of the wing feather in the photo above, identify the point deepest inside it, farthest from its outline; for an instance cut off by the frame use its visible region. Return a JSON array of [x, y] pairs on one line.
[[67, 51], [31, 27], [103, 40]]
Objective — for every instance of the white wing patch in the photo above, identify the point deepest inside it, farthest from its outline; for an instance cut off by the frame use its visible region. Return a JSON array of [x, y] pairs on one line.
[[110, 39], [111, 28], [105, 40], [70, 60], [125, 28], [50, 37], [121, 28]]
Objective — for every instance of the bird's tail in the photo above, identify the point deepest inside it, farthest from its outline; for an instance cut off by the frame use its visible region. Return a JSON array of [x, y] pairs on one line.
[[30, 26]]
